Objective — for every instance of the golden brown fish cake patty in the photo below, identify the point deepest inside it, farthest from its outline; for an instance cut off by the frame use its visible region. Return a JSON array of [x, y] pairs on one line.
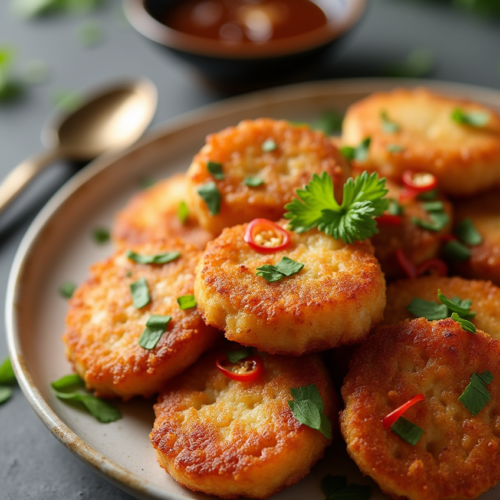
[[299, 153], [336, 298], [417, 243], [153, 214], [484, 295], [103, 327], [458, 455], [233, 439], [484, 211], [465, 159]]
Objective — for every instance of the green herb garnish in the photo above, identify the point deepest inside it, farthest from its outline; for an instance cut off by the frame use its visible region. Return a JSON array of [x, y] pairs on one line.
[[407, 430], [468, 234], [285, 267], [433, 206], [159, 258], [330, 122], [438, 217], [476, 396], [394, 148], [472, 118], [461, 307], [336, 488], [253, 181], [140, 293], [156, 326], [100, 235], [183, 212], [426, 309], [307, 407], [186, 302], [353, 220], [388, 126], [394, 208], [455, 251], [5, 394], [211, 196], [7, 375], [417, 64], [467, 326], [10, 88], [102, 410], [269, 145], [216, 170], [428, 195], [238, 354], [67, 289], [358, 153]]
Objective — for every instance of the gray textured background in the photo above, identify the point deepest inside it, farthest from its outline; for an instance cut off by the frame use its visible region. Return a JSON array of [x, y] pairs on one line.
[[33, 465]]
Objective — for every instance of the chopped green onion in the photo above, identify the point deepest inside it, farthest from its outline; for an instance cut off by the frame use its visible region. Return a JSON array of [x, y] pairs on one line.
[[216, 170], [407, 430], [140, 293], [156, 326], [211, 196], [183, 212], [417, 64], [186, 302]]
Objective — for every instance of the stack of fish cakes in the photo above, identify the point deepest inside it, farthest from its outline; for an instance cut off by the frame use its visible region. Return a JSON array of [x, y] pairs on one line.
[[227, 424]]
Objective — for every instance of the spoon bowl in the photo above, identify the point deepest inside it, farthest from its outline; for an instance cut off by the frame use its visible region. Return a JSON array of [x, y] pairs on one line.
[[109, 119]]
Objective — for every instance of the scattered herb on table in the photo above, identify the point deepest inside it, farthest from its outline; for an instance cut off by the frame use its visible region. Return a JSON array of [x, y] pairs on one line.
[[418, 63], [67, 289], [67, 100], [101, 235]]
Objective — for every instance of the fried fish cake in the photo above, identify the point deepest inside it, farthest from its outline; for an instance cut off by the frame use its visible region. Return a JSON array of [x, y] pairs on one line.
[[103, 327], [422, 136], [276, 155], [154, 214], [418, 244], [458, 454], [231, 438], [484, 211], [484, 295], [336, 298]]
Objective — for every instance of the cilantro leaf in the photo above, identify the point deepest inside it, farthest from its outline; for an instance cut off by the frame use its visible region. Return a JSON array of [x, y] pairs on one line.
[[186, 302], [156, 326], [425, 309], [7, 375], [330, 122], [67, 289], [101, 235], [67, 382], [472, 118], [354, 220], [216, 170], [285, 267], [456, 251], [476, 396], [211, 196], [159, 258], [466, 325], [468, 234], [388, 126], [461, 307], [269, 273], [140, 293], [407, 430], [358, 153], [307, 407], [238, 354]]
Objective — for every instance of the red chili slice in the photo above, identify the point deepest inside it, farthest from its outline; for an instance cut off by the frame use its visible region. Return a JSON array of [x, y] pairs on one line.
[[262, 229], [393, 416], [389, 220], [437, 267], [405, 263], [420, 182], [249, 369]]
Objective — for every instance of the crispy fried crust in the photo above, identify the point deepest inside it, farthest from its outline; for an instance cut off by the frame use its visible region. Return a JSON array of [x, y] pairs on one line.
[[458, 455], [418, 244], [300, 152], [234, 439], [103, 327], [465, 159], [336, 299], [152, 215], [484, 211], [484, 295]]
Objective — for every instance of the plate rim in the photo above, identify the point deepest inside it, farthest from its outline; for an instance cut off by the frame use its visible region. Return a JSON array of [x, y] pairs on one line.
[[129, 481]]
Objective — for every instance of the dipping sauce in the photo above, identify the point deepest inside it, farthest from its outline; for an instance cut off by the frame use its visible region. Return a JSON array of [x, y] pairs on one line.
[[244, 21]]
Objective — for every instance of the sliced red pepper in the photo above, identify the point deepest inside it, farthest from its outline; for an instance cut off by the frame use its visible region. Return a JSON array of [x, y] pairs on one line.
[[405, 263], [245, 370], [437, 267], [265, 236], [389, 220], [394, 415], [420, 182]]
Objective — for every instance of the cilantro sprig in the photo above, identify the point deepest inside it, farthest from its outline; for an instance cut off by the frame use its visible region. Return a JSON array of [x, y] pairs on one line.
[[285, 267], [476, 396], [353, 220]]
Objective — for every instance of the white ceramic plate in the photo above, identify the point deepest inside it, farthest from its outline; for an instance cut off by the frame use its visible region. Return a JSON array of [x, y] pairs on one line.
[[58, 247]]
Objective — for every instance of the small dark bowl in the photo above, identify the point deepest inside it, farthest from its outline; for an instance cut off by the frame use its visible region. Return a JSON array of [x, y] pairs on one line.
[[249, 63]]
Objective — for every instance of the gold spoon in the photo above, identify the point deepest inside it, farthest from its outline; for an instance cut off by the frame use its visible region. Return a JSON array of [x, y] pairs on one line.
[[112, 118]]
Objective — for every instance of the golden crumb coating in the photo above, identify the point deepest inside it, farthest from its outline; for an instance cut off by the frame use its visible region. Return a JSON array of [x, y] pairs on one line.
[[298, 153], [484, 211], [103, 327], [233, 439], [418, 244], [465, 159], [484, 295], [153, 214], [458, 455], [336, 298]]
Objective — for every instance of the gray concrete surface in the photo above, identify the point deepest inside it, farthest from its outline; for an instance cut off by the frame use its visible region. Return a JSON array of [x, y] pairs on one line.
[[33, 465]]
